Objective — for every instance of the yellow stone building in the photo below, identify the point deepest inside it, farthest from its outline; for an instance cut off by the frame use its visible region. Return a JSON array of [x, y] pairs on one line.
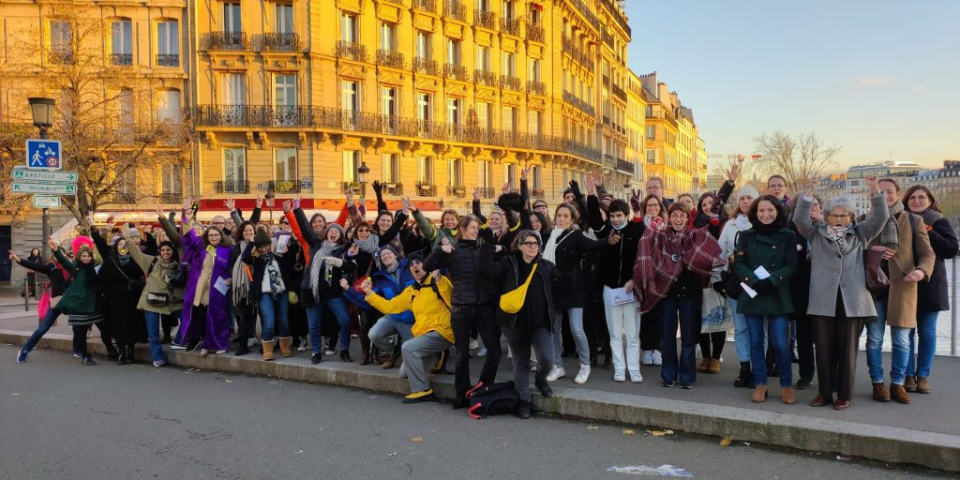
[[674, 150], [636, 113], [433, 97]]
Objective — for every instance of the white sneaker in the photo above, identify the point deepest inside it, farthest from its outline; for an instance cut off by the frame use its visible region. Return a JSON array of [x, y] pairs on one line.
[[619, 376], [482, 352], [474, 344], [174, 346], [555, 374], [583, 375], [657, 358], [533, 366], [635, 377], [648, 357]]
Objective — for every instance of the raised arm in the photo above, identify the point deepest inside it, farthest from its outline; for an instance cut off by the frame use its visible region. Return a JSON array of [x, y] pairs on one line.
[[378, 190], [394, 229], [247, 255], [399, 304], [475, 207], [801, 215], [595, 217], [427, 229], [142, 259], [102, 246], [309, 236], [879, 213], [257, 210]]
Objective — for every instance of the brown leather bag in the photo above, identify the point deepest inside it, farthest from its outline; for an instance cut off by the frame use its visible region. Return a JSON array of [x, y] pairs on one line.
[[877, 281]]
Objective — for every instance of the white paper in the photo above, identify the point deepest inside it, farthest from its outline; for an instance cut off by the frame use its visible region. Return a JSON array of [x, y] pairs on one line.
[[221, 286], [761, 273], [620, 296], [750, 291]]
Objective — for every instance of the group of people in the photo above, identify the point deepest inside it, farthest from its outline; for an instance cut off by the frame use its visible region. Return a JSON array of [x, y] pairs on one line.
[[596, 276]]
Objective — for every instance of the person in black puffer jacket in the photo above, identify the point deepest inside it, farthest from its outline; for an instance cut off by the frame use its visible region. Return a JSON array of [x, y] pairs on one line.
[[474, 303]]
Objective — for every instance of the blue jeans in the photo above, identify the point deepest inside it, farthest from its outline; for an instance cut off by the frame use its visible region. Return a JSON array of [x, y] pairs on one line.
[[778, 326], [689, 323], [385, 328], [575, 315], [899, 337], [313, 328], [741, 334], [153, 333], [338, 306], [42, 330], [927, 331], [273, 312]]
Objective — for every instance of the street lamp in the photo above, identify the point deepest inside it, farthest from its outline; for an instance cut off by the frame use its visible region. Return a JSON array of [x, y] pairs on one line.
[[362, 172], [42, 110], [269, 197]]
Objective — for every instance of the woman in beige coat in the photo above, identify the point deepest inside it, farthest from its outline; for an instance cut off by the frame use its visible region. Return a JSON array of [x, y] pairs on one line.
[[909, 259]]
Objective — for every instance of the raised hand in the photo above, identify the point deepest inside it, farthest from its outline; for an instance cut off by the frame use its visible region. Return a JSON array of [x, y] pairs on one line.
[[287, 205], [296, 202], [231, 205], [523, 172], [815, 181], [598, 180], [14, 257], [872, 182], [506, 188], [575, 188], [349, 195], [187, 204], [52, 243], [476, 193], [377, 186], [159, 210], [259, 203], [734, 172], [407, 204], [591, 187]]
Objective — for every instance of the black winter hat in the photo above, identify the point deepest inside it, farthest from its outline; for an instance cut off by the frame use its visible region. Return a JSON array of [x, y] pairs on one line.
[[261, 239], [511, 201]]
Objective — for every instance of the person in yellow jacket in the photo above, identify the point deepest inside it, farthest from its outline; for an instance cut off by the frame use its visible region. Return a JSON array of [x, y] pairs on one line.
[[429, 300]]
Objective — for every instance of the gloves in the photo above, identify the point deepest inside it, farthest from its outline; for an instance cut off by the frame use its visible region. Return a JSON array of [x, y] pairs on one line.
[[764, 286], [720, 288], [635, 204], [575, 189], [376, 187]]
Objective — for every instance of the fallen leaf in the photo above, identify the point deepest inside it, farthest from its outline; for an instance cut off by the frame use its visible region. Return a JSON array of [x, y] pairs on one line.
[[627, 431], [15, 394], [593, 427], [746, 443], [659, 433], [394, 454], [416, 439], [725, 442], [843, 458], [228, 381]]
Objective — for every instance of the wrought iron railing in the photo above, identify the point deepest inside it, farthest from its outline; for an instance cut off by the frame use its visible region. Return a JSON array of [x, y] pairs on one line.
[[121, 59], [536, 33], [425, 65], [232, 186], [223, 41], [456, 72], [284, 186], [425, 5], [619, 92], [617, 15], [426, 189], [510, 26], [579, 104], [578, 55], [511, 83], [488, 192], [393, 189], [455, 10], [485, 19], [457, 191], [168, 60], [351, 51], [277, 42], [485, 77], [585, 10], [536, 88], [390, 58]]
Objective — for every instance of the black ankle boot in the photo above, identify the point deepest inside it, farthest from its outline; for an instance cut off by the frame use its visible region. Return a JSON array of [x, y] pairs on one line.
[[131, 352], [745, 379], [121, 357], [111, 352], [345, 355]]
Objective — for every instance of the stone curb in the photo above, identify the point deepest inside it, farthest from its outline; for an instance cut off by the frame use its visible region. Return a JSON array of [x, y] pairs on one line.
[[880, 443]]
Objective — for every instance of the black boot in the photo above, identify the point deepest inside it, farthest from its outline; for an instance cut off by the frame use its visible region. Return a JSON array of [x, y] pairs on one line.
[[523, 410], [243, 350], [131, 351], [111, 352], [345, 356], [121, 357], [745, 379]]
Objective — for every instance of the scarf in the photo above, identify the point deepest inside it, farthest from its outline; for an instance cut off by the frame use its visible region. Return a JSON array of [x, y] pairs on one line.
[[838, 235], [273, 272], [326, 249], [889, 236], [662, 256], [930, 217], [239, 279], [654, 223], [371, 245], [550, 249]]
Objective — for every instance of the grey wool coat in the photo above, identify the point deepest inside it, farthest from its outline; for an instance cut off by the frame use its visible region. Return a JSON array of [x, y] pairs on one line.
[[833, 269]]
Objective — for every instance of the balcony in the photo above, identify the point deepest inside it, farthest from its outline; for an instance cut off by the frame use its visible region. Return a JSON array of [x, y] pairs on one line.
[[171, 197], [579, 104], [277, 42], [510, 26], [619, 92], [488, 192], [284, 186], [425, 65], [537, 193], [511, 83], [455, 10], [585, 11], [393, 189], [536, 33], [121, 59], [351, 51], [617, 15], [607, 38], [457, 191], [486, 20], [484, 77], [425, 5], [168, 60], [390, 58], [456, 72], [426, 189], [232, 186], [219, 41], [625, 166], [609, 161], [536, 88], [578, 55]]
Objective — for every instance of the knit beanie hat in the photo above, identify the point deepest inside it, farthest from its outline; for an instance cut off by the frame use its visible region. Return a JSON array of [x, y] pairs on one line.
[[748, 191], [388, 247], [261, 239]]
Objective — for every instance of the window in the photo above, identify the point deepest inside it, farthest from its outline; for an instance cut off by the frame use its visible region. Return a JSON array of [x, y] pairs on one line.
[[535, 70], [425, 170], [388, 102], [456, 172], [510, 172], [509, 119], [388, 35], [508, 10], [391, 168], [285, 167], [483, 115], [126, 189], [483, 5], [509, 65], [126, 107], [453, 111], [536, 174], [121, 37], [169, 106], [348, 28], [424, 44], [171, 183], [284, 18], [168, 44], [651, 132], [285, 93], [231, 18], [234, 170], [61, 41], [351, 96], [351, 162], [424, 106], [486, 174], [234, 91], [453, 52], [483, 58], [534, 122]]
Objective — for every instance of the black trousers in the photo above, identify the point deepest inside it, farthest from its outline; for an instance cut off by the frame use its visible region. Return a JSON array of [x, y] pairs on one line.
[[651, 328], [246, 323], [481, 318], [836, 341], [714, 340], [595, 326], [197, 327], [805, 346]]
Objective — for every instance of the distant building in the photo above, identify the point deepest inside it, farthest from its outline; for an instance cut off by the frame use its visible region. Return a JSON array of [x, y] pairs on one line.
[[856, 187], [833, 186]]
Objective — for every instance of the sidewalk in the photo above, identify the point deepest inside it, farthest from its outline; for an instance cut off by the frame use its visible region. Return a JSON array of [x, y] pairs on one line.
[[925, 433]]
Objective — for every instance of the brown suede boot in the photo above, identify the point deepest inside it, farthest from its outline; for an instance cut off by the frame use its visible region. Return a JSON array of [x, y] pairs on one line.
[[787, 396], [759, 394], [268, 349], [714, 366], [285, 343], [898, 393], [391, 360], [879, 393], [702, 368], [923, 385], [910, 384]]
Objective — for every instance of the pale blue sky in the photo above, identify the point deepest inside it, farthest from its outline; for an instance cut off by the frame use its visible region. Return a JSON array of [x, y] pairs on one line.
[[872, 76]]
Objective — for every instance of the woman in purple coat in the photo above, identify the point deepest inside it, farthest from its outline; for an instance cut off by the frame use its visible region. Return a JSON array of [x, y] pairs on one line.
[[206, 303]]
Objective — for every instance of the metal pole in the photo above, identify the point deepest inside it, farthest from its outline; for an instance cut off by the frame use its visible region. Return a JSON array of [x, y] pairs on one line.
[[26, 293], [953, 310], [45, 222]]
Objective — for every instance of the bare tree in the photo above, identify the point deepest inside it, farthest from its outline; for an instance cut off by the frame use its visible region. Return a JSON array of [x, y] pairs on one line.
[[798, 158], [105, 117]]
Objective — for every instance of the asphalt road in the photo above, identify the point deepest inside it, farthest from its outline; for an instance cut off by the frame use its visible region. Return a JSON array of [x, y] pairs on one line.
[[63, 420]]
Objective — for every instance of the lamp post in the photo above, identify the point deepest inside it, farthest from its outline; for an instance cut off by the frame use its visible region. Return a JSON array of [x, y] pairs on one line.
[[269, 197], [42, 110], [362, 172]]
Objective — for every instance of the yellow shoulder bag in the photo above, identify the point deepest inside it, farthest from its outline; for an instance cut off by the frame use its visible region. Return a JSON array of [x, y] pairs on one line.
[[512, 301]]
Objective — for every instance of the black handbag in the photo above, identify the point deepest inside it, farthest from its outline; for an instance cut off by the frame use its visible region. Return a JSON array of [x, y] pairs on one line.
[[731, 284], [493, 399], [179, 278]]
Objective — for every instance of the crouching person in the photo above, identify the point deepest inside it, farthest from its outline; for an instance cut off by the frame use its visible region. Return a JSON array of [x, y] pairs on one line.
[[429, 300]]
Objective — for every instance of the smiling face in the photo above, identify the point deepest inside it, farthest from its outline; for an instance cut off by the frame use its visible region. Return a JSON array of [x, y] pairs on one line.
[[318, 224], [333, 235], [496, 221], [918, 201], [535, 222], [652, 208], [85, 257], [889, 190], [214, 237], [363, 232], [166, 253], [678, 220], [542, 208], [766, 212], [776, 187], [707, 206], [388, 258], [249, 232], [450, 221], [384, 222]]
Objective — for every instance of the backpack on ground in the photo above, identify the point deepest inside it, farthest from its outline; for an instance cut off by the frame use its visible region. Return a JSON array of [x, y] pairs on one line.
[[495, 399]]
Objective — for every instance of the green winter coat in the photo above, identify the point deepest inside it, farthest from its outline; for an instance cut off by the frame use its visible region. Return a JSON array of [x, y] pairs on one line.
[[79, 298], [777, 254]]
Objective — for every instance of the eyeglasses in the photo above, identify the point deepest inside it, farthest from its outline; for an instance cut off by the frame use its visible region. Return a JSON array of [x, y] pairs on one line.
[[838, 216], [284, 223], [530, 244], [918, 198]]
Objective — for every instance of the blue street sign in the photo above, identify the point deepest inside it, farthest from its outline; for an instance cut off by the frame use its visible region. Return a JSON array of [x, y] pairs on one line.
[[44, 154]]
